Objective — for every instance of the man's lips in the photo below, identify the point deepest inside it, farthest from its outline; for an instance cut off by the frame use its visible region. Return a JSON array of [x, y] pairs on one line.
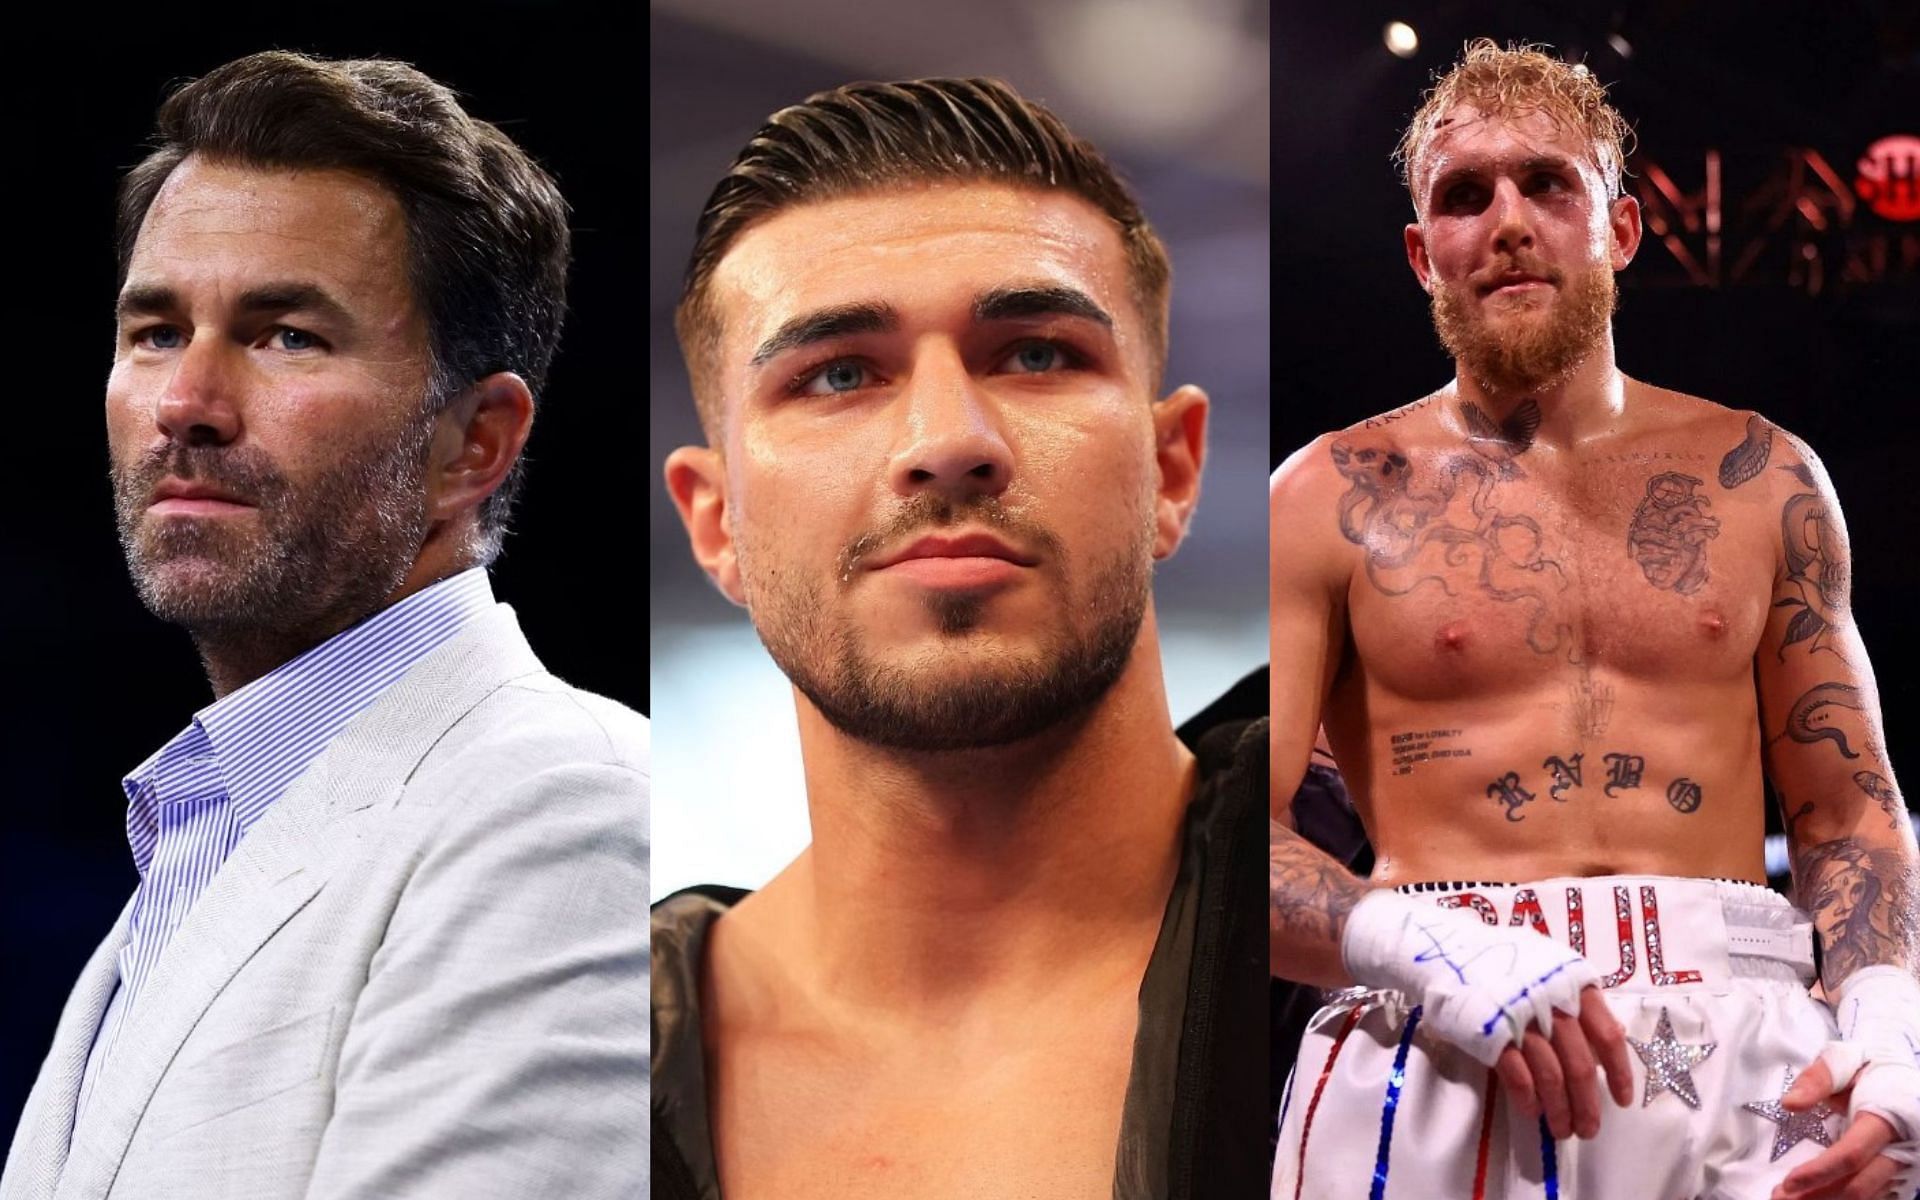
[[956, 561], [1518, 281], [193, 498], [967, 545]]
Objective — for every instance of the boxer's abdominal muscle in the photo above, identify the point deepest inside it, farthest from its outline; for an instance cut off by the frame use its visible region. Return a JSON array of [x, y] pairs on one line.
[[1550, 665]]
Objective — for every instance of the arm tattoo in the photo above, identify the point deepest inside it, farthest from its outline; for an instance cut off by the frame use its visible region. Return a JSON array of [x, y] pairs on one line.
[[1862, 900], [1669, 533], [1816, 582], [1309, 894], [1881, 789], [1749, 458], [1811, 719]]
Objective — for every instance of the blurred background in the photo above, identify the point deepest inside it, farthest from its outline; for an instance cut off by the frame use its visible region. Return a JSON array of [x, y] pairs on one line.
[[1175, 93], [1805, 307], [97, 684]]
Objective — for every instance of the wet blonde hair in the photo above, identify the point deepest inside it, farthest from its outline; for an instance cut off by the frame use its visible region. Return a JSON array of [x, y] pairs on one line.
[[1515, 81]]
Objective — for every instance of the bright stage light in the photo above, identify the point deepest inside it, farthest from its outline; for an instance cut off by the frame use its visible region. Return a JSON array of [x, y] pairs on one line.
[[1402, 41]]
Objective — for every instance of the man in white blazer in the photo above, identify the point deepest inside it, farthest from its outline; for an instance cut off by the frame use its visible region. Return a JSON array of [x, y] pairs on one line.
[[389, 938]]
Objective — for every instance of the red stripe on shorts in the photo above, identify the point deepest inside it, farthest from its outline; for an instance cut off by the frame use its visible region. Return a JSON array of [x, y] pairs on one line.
[[1306, 1125], [1486, 1140]]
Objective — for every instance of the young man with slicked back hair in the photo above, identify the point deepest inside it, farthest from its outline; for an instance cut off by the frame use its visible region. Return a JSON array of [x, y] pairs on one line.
[[926, 327], [388, 936], [1565, 630]]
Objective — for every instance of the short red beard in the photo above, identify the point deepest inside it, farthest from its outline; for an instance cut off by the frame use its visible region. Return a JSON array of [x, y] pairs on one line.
[[1536, 353]]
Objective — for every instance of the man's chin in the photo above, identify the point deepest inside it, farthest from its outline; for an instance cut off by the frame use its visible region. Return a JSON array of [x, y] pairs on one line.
[[198, 592]]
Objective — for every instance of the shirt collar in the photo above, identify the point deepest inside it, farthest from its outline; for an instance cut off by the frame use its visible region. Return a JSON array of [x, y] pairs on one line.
[[265, 734]]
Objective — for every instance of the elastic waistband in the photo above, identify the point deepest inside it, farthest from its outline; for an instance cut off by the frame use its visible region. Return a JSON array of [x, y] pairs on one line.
[[1651, 932]]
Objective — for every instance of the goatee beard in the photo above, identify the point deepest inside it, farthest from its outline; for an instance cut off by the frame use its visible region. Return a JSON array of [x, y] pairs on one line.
[[1529, 354], [975, 698]]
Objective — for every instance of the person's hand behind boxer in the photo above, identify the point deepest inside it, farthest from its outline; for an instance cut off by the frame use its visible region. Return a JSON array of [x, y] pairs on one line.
[[1523, 1004]]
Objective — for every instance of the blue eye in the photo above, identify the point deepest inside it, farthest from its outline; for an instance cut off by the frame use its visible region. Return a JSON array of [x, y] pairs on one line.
[[160, 337], [836, 378], [296, 339], [1038, 358]]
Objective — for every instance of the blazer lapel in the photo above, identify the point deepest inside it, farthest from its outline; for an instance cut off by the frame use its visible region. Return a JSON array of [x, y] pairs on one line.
[[46, 1124], [277, 869]]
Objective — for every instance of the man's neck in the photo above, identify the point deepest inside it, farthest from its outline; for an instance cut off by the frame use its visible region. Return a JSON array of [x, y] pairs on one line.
[[935, 880], [1586, 402]]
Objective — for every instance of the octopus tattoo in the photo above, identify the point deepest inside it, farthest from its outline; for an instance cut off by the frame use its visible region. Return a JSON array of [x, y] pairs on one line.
[[1397, 520]]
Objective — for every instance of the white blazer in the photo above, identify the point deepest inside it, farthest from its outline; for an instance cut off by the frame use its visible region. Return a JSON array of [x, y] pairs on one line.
[[422, 974]]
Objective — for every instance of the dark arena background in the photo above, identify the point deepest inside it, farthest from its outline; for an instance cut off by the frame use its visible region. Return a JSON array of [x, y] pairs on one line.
[[95, 684]]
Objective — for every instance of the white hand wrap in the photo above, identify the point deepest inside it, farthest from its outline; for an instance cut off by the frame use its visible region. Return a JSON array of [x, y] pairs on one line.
[[1482, 986], [1879, 1054]]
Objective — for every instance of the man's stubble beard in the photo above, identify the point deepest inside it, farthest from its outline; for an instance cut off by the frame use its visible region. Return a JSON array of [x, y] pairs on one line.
[[314, 557], [957, 698], [1537, 353]]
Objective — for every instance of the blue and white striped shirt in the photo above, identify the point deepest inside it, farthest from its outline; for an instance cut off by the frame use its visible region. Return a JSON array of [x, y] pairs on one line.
[[189, 805]]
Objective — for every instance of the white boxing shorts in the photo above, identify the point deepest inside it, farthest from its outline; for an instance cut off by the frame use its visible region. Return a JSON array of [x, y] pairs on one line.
[[1709, 976]]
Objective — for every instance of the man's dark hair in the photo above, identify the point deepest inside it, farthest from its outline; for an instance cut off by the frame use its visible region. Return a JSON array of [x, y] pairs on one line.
[[487, 238], [865, 136]]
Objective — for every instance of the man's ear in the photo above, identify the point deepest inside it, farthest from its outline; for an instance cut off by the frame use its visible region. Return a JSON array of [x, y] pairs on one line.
[[1180, 452], [1417, 257], [697, 480], [1623, 227], [476, 441]]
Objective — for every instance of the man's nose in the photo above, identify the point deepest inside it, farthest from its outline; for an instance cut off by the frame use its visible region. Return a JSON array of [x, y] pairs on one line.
[[1513, 223], [200, 404], [952, 442]]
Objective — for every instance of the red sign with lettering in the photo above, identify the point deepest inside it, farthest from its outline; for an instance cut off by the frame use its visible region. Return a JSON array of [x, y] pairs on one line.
[[1888, 177]]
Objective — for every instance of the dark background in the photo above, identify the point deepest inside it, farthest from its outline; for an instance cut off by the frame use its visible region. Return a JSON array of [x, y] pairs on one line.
[[95, 683], [1841, 368]]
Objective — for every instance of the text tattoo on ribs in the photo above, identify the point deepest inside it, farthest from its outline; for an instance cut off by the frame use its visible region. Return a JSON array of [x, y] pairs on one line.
[[1412, 748], [1669, 533]]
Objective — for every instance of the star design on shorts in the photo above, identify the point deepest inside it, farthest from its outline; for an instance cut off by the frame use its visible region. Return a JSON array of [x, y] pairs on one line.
[[1669, 1063], [1794, 1127]]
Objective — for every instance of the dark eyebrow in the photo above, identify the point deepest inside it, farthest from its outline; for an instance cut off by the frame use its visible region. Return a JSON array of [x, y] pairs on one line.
[[292, 296], [1012, 303], [823, 324]]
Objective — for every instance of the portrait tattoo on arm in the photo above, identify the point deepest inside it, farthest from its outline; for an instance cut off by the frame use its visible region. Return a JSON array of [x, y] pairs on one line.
[[1310, 894], [1749, 458], [1862, 901], [1669, 533]]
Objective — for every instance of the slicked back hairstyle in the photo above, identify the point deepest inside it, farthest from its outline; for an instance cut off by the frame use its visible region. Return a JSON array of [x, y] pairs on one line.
[[487, 238], [1515, 81], [866, 136]]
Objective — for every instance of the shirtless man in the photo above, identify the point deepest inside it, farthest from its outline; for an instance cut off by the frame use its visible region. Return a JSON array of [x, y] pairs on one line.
[[1560, 624], [926, 328]]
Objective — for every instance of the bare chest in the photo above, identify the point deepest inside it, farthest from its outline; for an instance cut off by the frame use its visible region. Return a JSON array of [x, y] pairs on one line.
[[1026, 1117], [1473, 577]]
